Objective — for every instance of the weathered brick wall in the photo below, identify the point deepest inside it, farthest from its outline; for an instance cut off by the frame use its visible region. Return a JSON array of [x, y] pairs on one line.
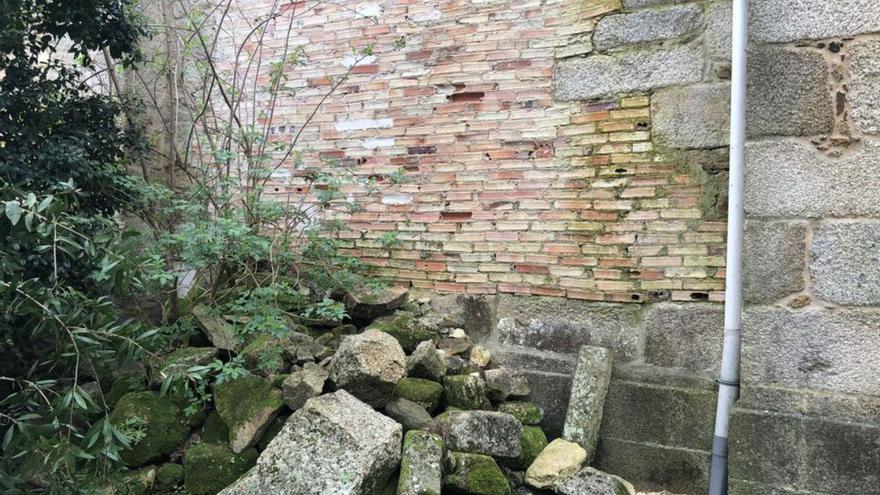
[[507, 187]]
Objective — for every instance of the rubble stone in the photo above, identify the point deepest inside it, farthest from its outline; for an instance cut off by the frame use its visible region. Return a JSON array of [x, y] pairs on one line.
[[426, 393], [369, 365], [426, 362], [589, 388], [334, 444], [465, 392], [559, 460], [421, 465], [474, 474], [302, 385], [484, 432], [247, 406]]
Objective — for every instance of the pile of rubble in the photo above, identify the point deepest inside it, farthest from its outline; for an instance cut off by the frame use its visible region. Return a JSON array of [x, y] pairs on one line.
[[410, 405]]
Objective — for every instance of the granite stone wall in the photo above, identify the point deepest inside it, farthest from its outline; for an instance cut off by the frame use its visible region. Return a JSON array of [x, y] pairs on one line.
[[807, 422]]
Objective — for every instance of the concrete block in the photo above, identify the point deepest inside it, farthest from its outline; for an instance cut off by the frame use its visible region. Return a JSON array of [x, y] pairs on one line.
[[742, 487], [589, 386], [843, 457], [636, 70], [774, 260], [788, 93], [563, 326], [687, 336], [763, 447], [864, 92], [664, 415], [791, 20], [654, 467], [832, 350], [550, 391], [781, 443], [719, 16], [791, 179], [643, 26], [845, 263]]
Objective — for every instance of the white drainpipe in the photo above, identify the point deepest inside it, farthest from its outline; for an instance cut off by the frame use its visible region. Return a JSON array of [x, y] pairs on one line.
[[728, 381]]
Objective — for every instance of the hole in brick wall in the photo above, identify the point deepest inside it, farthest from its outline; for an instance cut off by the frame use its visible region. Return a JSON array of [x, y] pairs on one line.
[[699, 296], [466, 96], [455, 215], [299, 189], [620, 170], [658, 295], [487, 156], [635, 273], [276, 189], [641, 125], [636, 297]]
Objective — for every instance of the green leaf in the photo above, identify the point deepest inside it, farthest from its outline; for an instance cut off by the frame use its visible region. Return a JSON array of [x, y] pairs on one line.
[[31, 200], [7, 438], [45, 203], [13, 211]]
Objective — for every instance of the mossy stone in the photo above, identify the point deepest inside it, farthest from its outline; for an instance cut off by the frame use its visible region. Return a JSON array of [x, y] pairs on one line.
[[404, 328], [123, 385], [214, 430], [168, 477], [165, 426], [528, 413], [465, 392], [531, 444], [247, 406], [475, 474], [423, 392], [180, 360], [137, 482], [265, 356], [209, 468]]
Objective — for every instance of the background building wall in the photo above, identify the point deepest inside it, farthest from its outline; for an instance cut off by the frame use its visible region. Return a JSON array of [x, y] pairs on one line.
[[564, 159], [486, 179]]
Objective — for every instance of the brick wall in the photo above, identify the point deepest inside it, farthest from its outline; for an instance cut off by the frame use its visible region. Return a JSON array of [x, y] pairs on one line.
[[506, 188]]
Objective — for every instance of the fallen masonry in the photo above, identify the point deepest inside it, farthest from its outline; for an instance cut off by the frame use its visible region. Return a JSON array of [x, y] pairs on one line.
[[406, 403]]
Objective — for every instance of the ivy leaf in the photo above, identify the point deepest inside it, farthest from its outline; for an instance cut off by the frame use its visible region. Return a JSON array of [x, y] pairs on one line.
[[13, 211]]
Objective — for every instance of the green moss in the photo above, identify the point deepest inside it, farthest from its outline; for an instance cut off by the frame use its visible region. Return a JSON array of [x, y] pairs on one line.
[[404, 328], [169, 477], [475, 474], [214, 430], [531, 444], [178, 361], [243, 401], [137, 482], [465, 392], [209, 468], [423, 392], [123, 385], [265, 355], [278, 380], [165, 426], [528, 413]]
